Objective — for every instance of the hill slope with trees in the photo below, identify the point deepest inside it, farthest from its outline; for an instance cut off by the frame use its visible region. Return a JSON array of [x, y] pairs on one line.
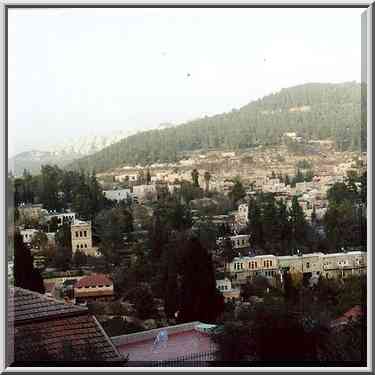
[[314, 111]]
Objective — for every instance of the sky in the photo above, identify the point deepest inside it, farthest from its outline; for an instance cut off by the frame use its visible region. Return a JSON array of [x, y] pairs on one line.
[[80, 72]]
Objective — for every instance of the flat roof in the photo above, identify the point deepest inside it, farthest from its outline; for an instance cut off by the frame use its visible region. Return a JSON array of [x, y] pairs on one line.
[[178, 345]]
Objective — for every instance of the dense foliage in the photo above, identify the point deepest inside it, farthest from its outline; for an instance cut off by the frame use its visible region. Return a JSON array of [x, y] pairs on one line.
[[314, 111]]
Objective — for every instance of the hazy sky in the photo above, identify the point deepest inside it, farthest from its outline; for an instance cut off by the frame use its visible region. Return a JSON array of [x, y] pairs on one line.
[[78, 72]]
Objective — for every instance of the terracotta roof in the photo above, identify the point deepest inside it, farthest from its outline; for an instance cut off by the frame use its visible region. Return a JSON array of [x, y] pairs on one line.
[[94, 280], [354, 312], [49, 330], [25, 306], [351, 315]]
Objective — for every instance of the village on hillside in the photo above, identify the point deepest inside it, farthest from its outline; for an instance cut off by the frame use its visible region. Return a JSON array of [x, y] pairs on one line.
[[164, 257]]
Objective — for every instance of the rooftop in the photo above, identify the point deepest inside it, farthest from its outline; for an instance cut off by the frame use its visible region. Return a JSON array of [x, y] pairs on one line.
[[184, 340], [94, 280], [46, 329]]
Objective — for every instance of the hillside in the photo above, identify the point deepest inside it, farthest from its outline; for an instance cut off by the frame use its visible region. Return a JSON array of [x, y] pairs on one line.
[[314, 111]]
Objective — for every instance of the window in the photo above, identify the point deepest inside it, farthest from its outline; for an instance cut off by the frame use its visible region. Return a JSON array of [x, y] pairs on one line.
[[76, 234], [77, 246], [307, 265], [85, 233], [85, 245], [81, 246], [80, 233], [270, 263]]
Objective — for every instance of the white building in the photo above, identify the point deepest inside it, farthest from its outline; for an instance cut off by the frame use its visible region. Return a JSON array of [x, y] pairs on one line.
[[144, 192], [131, 177], [242, 216], [224, 285], [82, 237], [28, 235], [117, 195], [238, 242], [229, 293]]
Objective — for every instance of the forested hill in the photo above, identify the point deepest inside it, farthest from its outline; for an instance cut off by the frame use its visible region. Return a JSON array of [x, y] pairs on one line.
[[315, 111]]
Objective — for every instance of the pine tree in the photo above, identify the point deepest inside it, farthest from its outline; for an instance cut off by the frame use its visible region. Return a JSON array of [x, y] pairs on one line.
[[195, 177], [298, 223], [25, 275], [200, 299], [207, 178], [255, 223]]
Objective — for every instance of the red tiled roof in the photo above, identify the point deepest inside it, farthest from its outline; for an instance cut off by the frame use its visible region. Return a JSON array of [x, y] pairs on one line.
[[94, 280], [353, 314], [25, 306], [49, 330]]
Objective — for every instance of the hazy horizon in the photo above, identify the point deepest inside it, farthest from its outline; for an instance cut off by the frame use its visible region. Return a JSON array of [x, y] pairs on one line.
[[80, 72]]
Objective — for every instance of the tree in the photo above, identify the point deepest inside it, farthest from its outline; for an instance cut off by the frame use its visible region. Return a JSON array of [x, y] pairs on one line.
[[111, 225], [25, 275], [63, 236], [141, 177], [238, 192], [148, 176], [255, 223], [177, 216], [207, 234], [298, 223], [39, 241], [144, 304], [273, 334], [79, 259], [344, 221], [51, 176], [228, 252], [287, 180], [172, 290], [118, 326], [200, 299], [234, 342], [195, 177], [159, 235], [63, 258], [207, 178], [53, 224]]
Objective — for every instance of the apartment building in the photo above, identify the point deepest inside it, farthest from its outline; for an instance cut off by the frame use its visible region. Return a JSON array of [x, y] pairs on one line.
[[314, 264]]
